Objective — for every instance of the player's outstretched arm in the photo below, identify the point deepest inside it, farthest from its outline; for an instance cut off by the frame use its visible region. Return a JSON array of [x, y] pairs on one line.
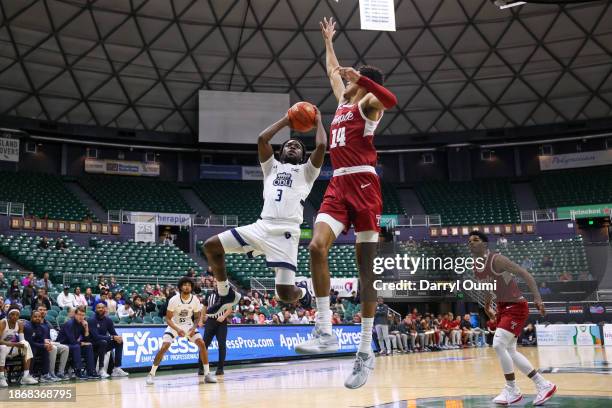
[[504, 264], [328, 29], [378, 99], [264, 148], [318, 155]]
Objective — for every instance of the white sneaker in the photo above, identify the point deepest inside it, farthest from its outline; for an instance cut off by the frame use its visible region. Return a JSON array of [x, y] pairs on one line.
[[364, 363], [508, 396], [103, 374], [3, 382], [28, 380], [544, 393], [210, 378], [118, 372], [319, 343], [150, 379]]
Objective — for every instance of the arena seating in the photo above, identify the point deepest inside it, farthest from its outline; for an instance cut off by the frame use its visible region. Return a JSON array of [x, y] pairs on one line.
[[591, 185], [470, 202], [135, 194], [43, 196], [241, 198]]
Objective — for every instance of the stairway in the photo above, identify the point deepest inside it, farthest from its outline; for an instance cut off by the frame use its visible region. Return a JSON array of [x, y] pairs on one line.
[[87, 200], [410, 201], [524, 196], [194, 201]]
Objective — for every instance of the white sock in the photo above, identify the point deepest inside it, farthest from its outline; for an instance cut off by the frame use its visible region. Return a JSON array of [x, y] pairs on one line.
[[26, 373], [303, 292], [223, 287], [153, 370], [324, 315], [539, 380], [2, 374], [206, 369], [365, 345], [511, 384]]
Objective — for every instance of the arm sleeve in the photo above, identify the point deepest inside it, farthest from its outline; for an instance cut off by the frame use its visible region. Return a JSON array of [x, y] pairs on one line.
[[266, 166], [386, 97], [311, 172]]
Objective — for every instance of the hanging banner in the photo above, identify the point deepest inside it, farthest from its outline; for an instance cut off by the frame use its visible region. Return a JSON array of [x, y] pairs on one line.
[[378, 15], [9, 149], [144, 232], [573, 160], [122, 167]]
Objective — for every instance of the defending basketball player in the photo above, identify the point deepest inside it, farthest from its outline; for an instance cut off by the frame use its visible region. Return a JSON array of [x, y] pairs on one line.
[[511, 315], [182, 309], [287, 184], [353, 197]]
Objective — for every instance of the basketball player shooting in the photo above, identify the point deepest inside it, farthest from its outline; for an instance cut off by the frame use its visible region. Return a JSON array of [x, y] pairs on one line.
[[287, 184], [511, 315], [182, 309], [352, 197]]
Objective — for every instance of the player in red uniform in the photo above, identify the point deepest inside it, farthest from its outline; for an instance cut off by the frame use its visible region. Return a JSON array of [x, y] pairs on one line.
[[511, 316], [352, 197]]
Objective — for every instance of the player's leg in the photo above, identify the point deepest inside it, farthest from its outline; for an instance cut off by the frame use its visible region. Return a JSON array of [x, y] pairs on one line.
[[167, 340], [4, 350], [208, 376], [501, 344], [26, 352], [221, 339], [281, 250], [545, 389]]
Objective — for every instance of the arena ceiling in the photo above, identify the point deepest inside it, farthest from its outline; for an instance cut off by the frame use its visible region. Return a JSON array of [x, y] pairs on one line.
[[455, 65]]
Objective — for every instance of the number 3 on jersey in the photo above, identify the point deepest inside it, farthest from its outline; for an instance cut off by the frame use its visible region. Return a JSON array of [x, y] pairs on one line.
[[338, 138]]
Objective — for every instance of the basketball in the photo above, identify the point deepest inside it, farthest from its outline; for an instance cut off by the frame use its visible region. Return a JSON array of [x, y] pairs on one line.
[[302, 116]]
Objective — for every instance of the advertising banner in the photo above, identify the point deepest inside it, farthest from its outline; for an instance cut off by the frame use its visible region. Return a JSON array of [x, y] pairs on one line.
[[212, 171], [607, 333], [584, 211], [252, 173], [144, 232], [248, 342], [123, 167], [9, 149], [572, 160], [183, 220], [568, 335], [344, 286]]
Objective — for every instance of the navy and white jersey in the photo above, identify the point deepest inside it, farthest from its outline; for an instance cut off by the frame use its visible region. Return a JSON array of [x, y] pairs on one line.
[[286, 187], [183, 310]]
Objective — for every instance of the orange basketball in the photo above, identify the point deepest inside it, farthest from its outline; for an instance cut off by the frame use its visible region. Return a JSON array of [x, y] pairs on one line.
[[302, 116]]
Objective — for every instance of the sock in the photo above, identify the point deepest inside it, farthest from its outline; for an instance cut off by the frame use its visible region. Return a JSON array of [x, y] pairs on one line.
[[324, 315], [303, 292], [153, 370], [539, 380], [2, 374], [511, 384], [206, 369], [365, 345], [223, 287], [26, 373]]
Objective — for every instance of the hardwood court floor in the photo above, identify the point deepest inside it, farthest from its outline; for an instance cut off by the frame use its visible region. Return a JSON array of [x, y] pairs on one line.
[[405, 380]]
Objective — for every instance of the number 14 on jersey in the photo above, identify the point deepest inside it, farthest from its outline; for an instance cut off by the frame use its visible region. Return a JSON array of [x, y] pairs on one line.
[[338, 137]]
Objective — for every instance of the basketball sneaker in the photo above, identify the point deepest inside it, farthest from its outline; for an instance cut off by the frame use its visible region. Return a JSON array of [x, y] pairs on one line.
[[364, 363], [544, 393], [210, 378], [118, 372], [28, 380], [150, 380], [319, 343], [3, 382], [508, 396], [306, 300], [225, 302]]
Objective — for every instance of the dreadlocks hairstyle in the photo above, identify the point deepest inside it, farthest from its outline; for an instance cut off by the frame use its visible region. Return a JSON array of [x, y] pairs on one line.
[[184, 280], [480, 235], [303, 160], [372, 73]]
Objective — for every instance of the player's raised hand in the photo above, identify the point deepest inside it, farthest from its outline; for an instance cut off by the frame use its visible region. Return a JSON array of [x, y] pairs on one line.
[[328, 28], [317, 114], [540, 306], [349, 74]]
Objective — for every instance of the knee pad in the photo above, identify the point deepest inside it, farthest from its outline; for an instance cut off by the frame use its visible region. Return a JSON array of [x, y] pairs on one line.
[[284, 276], [502, 339]]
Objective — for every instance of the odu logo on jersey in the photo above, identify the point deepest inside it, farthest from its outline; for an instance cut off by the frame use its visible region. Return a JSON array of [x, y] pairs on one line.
[[283, 180]]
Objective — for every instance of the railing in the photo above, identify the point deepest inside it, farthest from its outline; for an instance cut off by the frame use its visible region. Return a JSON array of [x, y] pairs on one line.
[[216, 221], [419, 220], [13, 209], [125, 280], [263, 285], [549, 214]]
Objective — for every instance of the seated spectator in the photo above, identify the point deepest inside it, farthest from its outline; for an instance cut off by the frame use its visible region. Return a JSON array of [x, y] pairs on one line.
[[79, 298], [89, 297], [44, 243], [429, 333], [119, 298], [60, 245], [148, 289], [455, 327], [27, 279], [105, 340], [275, 320], [356, 318], [150, 305], [333, 296], [407, 332], [102, 298], [411, 243], [420, 334], [113, 286], [157, 293], [28, 294], [338, 307], [490, 333], [102, 285], [467, 331], [528, 337], [66, 299], [13, 344], [250, 318], [565, 277], [502, 242], [4, 311], [300, 317], [38, 335], [3, 282], [44, 282], [547, 262], [353, 297], [543, 289], [139, 307], [14, 300], [111, 304], [58, 348], [14, 287], [585, 275], [395, 335], [125, 310], [41, 299], [74, 334], [527, 264]]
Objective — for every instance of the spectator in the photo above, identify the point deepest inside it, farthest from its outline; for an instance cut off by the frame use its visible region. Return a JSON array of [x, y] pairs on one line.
[[445, 331], [73, 334], [28, 293], [66, 299], [527, 263], [89, 297], [275, 320], [44, 243], [102, 285], [411, 243], [336, 319], [547, 262], [113, 286], [12, 343], [38, 336], [105, 340], [467, 331], [3, 283], [150, 305], [585, 275], [338, 307], [139, 308], [102, 299], [4, 311], [14, 287], [301, 318], [167, 240], [455, 331], [544, 290], [352, 299], [381, 326], [491, 327], [250, 318], [395, 335], [41, 299], [565, 277], [404, 329], [125, 311], [60, 245], [119, 298], [502, 242], [111, 303], [27, 279], [420, 334], [333, 296], [79, 298], [44, 282], [58, 348], [528, 337], [157, 293], [14, 300]]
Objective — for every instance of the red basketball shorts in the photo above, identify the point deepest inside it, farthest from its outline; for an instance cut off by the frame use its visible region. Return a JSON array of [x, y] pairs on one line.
[[512, 316]]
